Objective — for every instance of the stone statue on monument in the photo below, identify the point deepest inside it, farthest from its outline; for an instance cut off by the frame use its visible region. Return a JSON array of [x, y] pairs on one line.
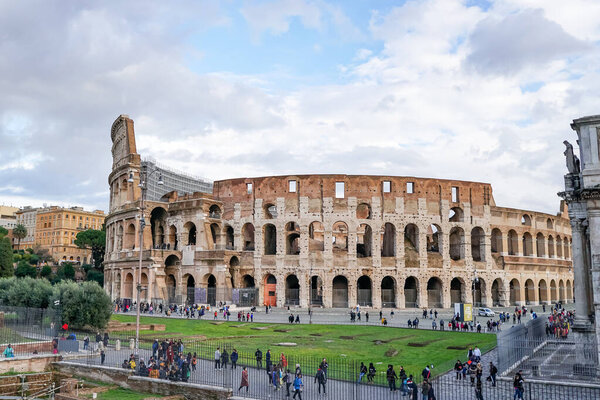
[[572, 160]]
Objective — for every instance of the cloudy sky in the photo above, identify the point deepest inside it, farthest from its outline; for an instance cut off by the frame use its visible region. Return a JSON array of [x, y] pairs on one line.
[[472, 90]]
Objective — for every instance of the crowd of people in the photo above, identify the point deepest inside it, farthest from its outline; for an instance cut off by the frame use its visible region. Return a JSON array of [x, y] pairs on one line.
[[559, 323]]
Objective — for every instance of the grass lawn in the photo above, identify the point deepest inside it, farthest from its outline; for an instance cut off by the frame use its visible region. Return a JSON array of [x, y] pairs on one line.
[[123, 394], [387, 345]]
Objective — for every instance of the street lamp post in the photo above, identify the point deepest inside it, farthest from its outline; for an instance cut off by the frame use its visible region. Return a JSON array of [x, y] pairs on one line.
[[143, 185], [475, 281]]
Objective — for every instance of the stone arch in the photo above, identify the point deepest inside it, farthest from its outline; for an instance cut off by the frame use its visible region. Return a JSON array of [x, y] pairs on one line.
[[457, 243], [248, 236], [234, 261], [569, 297], [339, 295], [316, 290], [515, 292], [214, 211], [190, 232], [559, 247], [456, 214], [364, 288], [388, 240], [364, 241], [211, 289], [129, 240], [128, 286], [229, 238], [497, 292], [292, 243], [553, 294], [119, 237], [118, 286], [190, 284], [540, 245], [388, 292], [434, 239], [457, 294], [292, 290], [215, 234], [567, 244], [270, 290], [158, 224], [550, 246], [171, 284], [363, 211], [497, 241], [529, 291], [479, 290], [527, 244], [316, 236], [526, 220], [411, 292], [434, 292], [513, 243], [542, 291], [173, 240], [340, 236], [478, 244], [561, 290], [269, 211], [549, 224], [270, 239], [172, 261], [248, 281]]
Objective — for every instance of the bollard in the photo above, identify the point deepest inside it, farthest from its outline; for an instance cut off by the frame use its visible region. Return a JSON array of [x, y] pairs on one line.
[[132, 344], [118, 344]]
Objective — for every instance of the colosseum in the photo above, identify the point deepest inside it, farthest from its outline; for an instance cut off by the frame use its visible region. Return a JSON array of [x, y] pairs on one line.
[[324, 240]]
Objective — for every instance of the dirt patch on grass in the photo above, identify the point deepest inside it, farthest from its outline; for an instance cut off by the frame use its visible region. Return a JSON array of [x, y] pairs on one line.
[[423, 344], [382, 341], [391, 353], [316, 334], [281, 330], [353, 337], [456, 347]]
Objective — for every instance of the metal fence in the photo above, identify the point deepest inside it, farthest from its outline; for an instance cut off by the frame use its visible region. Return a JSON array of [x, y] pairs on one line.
[[342, 378], [28, 330]]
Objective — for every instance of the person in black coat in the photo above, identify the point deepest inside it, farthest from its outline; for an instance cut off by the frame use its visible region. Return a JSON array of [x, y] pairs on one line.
[[234, 358]]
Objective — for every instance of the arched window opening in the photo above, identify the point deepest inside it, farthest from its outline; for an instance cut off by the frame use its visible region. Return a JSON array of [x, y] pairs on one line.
[[191, 233], [497, 241], [340, 236], [158, 221], [434, 293], [515, 293], [529, 291], [540, 243], [559, 247], [550, 246], [434, 239], [363, 294], [173, 241], [411, 292], [214, 211], [364, 241], [527, 244], [513, 243], [339, 295], [215, 232], [316, 237], [456, 214], [316, 291], [456, 291], [230, 238], [292, 291], [526, 220], [248, 236], [478, 244], [293, 244], [457, 243], [270, 211], [270, 239], [388, 240], [388, 292], [549, 224]]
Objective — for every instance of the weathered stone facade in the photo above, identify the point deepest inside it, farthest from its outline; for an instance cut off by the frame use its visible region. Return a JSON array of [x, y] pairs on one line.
[[332, 240]]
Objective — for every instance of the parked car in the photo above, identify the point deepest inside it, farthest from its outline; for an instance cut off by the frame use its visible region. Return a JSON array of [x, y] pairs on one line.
[[486, 312]]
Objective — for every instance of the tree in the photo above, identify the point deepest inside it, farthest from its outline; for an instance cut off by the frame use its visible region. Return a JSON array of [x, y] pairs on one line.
[[6, 258], [42, 252], [81, 305], [46, 271], [19, 232], [94, 275], [25, 292], [65, 272], [94, 240], [3, 231], [25, 269]]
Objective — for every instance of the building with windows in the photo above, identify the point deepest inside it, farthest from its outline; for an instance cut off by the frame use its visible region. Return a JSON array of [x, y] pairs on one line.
[[27, 216], [330, 240], [8, 218], [57, 227]]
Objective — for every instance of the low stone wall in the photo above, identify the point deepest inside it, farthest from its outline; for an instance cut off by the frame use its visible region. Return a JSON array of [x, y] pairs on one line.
[[126, 379], [36, 363], [30, 347]]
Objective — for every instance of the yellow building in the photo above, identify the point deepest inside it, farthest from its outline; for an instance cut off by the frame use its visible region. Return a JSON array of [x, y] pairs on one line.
[[57, 228]]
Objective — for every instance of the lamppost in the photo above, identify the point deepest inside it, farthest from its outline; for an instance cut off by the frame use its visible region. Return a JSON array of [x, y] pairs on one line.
[[475, 281], [143, 185]]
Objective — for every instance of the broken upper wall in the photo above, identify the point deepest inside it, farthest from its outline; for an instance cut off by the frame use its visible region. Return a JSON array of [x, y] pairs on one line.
[[367, 189]]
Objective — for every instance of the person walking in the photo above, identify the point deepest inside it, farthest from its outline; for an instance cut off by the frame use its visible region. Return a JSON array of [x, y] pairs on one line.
[[391, 377], [268, 359], [258, 354], [244, 382], [287, 379], [217, 359], [362, 371], [102, 357], [493, 372], [518, 383], [478, 390], [425, 386], [234, 358], [324, 365], [321, 380], [298, 387], [458, 369]]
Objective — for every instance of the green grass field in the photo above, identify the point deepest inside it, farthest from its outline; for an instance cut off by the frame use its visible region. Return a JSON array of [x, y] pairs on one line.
[[123, 394], [399, 346]]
